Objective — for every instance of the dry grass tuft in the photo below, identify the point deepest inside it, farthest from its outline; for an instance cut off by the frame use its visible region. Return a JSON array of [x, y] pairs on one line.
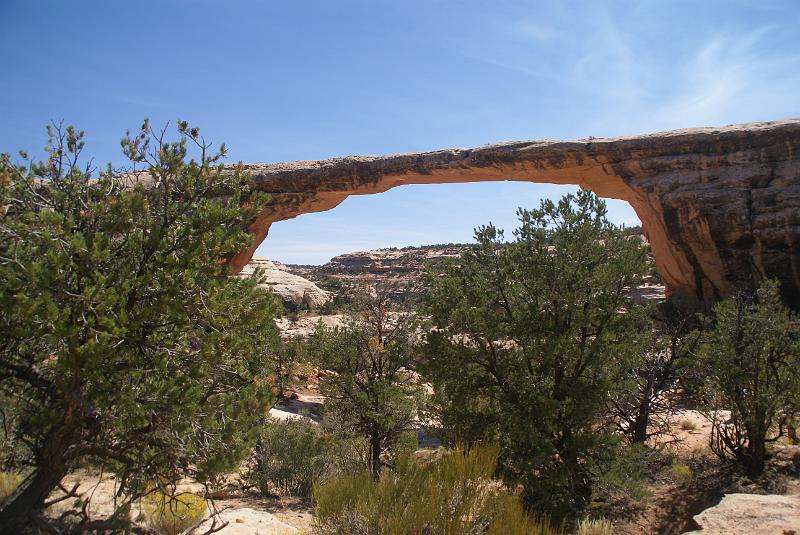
[[680, 472], [688, 425], [9, 481], [171, 515], [454, 494], [595, 526]]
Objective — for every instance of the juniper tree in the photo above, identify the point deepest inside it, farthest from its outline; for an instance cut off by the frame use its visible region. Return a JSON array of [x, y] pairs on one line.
[[124, 342], [372, 392], [645, 408], [531, 337], [748, 364]]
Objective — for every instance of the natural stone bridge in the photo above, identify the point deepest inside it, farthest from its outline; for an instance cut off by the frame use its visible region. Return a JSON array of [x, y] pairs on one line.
[[720, 206]]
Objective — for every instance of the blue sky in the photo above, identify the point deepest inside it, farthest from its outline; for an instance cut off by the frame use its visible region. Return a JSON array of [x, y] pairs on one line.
[[301, 79]]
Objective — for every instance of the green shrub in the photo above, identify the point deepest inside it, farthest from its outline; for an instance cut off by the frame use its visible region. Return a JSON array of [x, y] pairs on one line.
[[289, 457], [595, 526], [171, 515], [9, 481], [680, 472], [455, 494]]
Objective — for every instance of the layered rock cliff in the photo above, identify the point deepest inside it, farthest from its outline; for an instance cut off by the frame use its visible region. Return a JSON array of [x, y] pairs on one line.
[[381, 265], [720, 206], [403, 269]]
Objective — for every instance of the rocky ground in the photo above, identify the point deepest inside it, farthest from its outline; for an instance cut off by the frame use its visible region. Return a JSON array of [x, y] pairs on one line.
[[708, 499], [244, 514]]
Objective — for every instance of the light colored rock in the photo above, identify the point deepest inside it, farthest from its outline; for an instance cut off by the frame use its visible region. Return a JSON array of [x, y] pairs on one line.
[[246, 521], [292, 289], [751, 514], [719, 206], [304, 326], [281, 415]]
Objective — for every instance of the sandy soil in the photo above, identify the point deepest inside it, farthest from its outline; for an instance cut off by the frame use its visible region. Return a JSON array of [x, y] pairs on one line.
[[245, 515]]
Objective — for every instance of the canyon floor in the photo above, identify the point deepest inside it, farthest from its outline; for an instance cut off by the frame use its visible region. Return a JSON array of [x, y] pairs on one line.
[[672, 505], [675, 501]]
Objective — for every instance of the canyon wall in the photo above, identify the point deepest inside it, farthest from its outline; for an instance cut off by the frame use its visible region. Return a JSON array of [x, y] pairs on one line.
[[720, 206]]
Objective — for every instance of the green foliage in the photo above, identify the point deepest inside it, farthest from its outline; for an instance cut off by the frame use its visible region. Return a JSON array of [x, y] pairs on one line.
[[595, 526], [171, 515], [289, 457], [644, 409], [680, 472], [9, 481], [455, 495], [531, 337], [125, 342], [748, 362], [371, 391], [341, 300]]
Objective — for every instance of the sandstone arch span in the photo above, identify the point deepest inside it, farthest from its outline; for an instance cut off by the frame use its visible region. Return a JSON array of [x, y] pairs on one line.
[[720, 206]]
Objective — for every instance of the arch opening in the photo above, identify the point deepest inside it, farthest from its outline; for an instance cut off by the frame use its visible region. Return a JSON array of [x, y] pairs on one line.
[[413, 216]]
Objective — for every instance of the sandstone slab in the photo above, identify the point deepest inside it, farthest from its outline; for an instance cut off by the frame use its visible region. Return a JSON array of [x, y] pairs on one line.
[[247, 521], [304, 327], [751, 514]]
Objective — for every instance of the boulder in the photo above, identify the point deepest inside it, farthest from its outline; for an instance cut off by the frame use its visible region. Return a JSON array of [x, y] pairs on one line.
[[751, 514], [292, 289]]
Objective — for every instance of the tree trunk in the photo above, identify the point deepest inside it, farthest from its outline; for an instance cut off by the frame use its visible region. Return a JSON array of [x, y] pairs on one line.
[[375, 457], [643, 415], [23, 506], [578, 483], [756, 457]]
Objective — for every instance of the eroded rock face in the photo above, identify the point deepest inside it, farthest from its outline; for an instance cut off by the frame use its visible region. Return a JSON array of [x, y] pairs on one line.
[[720, 206], [751, 514], [392, 265], [292, 289]]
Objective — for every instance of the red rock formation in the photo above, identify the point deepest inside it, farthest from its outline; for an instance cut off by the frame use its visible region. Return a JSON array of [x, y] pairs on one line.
[[720, 206]]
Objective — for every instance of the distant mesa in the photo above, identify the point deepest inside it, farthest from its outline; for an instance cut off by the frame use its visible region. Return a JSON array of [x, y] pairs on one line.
[[720, 206]]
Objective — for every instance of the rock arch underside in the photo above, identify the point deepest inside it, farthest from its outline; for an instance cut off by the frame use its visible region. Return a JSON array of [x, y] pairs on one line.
[[720, 206]]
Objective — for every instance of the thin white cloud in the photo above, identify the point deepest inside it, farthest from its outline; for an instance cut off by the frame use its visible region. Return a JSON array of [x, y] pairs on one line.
[[728, 78]]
